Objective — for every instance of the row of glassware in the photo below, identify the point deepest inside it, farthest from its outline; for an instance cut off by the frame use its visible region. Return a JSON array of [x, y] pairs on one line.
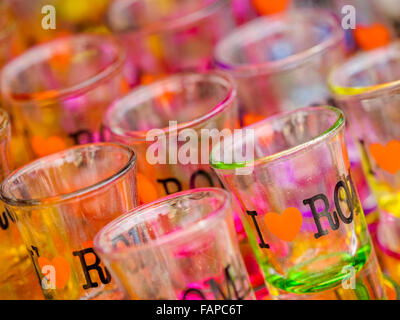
[[297, 206]]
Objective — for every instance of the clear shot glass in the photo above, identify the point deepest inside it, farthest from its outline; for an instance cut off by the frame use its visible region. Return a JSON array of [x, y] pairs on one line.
[[301, 210], [284, 64], [17, 276], [171, 37], [58, 92], [59, 203], [367, 88], [280, 62], [181, 247], [170, 124]]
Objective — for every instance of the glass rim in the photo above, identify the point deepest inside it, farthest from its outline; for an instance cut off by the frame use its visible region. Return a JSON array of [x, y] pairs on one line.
[[137, 214], [45, 201], [174, 24], [355, 64], [270, 67], [332, 130], [29, 57], [142, 93]]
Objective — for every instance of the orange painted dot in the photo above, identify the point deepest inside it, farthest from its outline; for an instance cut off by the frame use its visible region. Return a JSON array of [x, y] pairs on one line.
[[61, 59], [150, 78], [88, 244], [44, 146], [267, 7], [166, 98], [124, 86], [250, 118], [147, 192], [371, 37], [45, 95]]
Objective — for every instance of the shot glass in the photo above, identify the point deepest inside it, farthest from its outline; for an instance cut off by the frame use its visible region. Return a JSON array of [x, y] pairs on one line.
[[283, 65], [169, 37], [17, 276], [59, 203], [172, 124], [181, 247], [301, 211], [367, 88], [280, 62], [58, 92]]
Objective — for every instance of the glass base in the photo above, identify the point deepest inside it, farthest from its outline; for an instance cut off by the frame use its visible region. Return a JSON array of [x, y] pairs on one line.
[[367, 284]]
